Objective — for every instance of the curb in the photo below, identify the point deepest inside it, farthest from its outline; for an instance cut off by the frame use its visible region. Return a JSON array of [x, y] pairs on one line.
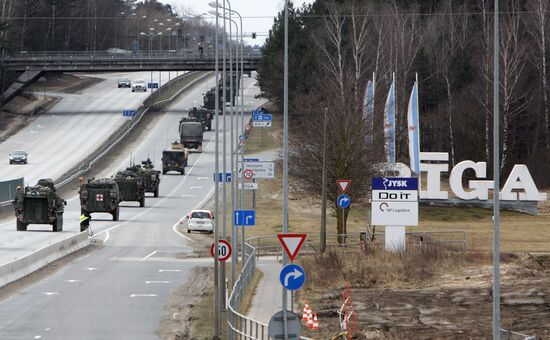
[[39, 258]]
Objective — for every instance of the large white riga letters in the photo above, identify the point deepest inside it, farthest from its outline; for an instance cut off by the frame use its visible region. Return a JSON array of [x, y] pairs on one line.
[[519, 185]]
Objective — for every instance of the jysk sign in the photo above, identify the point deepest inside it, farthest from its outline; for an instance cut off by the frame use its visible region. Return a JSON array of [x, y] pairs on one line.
[[394, 201]]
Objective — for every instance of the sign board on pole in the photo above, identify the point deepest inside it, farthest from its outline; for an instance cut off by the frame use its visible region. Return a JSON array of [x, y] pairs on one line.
[[224, 250], [292, 243], [292, 277], [343, 201], [152, 85], [244, 218], [248, 174], [394, 201], [260, 169], [248, 186], [276, 328], [261, 123], [128, 113], [343, 184], [259, 116], [221, 177]]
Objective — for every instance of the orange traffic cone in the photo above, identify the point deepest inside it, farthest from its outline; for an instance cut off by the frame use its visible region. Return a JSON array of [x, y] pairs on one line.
[[315, 323], [305, 313], [309, 320]]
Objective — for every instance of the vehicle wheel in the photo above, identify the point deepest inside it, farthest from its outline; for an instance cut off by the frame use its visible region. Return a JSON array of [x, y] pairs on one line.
[[182, 171], [58, 224], [26, 162], [83, 228], [164, 172], [156, 192], [21, 226], [142, 201], [11, 162], [133, 91], [188, 231], [116, 213]]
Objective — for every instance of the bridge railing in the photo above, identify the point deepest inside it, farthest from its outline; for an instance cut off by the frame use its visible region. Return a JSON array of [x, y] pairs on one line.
[[71, 55]]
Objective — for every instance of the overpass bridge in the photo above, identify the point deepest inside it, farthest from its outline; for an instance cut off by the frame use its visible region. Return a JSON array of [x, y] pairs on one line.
[[34, 64]]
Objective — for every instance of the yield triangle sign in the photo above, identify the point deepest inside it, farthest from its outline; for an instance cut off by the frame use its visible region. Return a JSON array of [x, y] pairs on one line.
[[292, 243], [343, 184]]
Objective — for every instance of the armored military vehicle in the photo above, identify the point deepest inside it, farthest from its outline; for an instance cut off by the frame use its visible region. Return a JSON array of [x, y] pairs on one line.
[[191, 133], [174, 158], [130, 185], [203, 115], [39, 204], [151, 178], [99, 195]]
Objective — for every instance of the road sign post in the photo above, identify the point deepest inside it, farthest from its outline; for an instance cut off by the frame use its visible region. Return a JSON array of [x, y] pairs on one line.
[[343, 202], [244, 218], [224, 250]]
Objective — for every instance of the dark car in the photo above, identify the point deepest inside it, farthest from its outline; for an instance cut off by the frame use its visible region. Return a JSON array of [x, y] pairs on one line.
[[124, 82], [18, 157]]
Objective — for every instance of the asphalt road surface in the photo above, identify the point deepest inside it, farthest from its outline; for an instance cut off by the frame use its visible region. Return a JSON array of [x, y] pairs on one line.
[[72, 129], [118, 292]]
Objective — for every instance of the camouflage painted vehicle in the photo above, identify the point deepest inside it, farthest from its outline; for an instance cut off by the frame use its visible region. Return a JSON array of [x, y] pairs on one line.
[[130, 185], [191, 133], [151, 178], [174, 158], [203, 115], [39, 204], [100, 195]]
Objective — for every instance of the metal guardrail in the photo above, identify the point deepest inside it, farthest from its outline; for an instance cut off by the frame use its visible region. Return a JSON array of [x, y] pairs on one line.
[[509, 335], [106, 148]]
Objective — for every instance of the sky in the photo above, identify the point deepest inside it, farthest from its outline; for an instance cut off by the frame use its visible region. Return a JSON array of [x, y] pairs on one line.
[[257, 14]]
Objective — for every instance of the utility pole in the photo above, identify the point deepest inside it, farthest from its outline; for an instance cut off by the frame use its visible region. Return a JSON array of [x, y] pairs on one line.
[[217, 311], [224, 160], [324, 189], [496, 178], [285, 164]]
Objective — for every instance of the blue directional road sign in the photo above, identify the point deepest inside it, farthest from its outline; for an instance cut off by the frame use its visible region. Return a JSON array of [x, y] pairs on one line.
[[242, 137], [292, 276], [152, 85], [128, 113], [343, 201], [221, 177], [258, 116], [244, 218]]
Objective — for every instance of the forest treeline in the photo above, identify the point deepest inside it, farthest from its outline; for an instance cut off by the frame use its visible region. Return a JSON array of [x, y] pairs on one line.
[[335, 47]]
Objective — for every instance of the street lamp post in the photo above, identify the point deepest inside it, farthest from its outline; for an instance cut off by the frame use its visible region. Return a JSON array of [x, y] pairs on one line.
[[217, 310]]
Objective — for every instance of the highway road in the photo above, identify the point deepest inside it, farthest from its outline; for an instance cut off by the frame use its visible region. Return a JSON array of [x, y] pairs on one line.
[[73, 128], [118, 291]]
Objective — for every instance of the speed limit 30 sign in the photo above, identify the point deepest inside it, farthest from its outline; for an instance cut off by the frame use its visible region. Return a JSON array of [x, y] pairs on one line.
[[224, 250]]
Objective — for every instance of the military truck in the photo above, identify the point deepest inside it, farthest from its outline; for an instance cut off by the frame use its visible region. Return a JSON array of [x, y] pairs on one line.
[[130, 185], [99, 195], [174, 158], [191, 131], [203, 115], [39, 204], [151, 178]]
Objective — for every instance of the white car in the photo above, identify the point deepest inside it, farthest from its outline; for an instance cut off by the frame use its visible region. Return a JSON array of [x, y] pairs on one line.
[[200, 220], [139, 85]]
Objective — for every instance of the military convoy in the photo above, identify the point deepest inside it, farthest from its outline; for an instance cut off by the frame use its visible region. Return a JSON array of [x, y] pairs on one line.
[[100, 195], [150, 176], [174, 158], [191, 133], [131, 186], [203, 115], [39, 204]]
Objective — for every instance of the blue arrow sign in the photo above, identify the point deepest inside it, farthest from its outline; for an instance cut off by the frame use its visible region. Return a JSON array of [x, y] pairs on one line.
[[220, 177], [244, 218], [292, 276], [242, 137], [128, 113], [266, 117], [343, 201], [152, 85]]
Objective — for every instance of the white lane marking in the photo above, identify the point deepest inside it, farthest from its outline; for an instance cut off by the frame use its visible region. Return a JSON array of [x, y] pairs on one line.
[[33, 132], [148, 282], [107, 236], [196, 188], [175, 228], [37, 336], [169, 270], [148, 256], [39, 126], [106, 231], [187, 196], [91, 268], [202, 178], [50, 293], [143, 295], [72, 281], [47, 329]]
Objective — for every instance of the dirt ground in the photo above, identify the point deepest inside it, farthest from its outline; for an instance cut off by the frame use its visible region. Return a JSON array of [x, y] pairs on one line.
[[454, 305]]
